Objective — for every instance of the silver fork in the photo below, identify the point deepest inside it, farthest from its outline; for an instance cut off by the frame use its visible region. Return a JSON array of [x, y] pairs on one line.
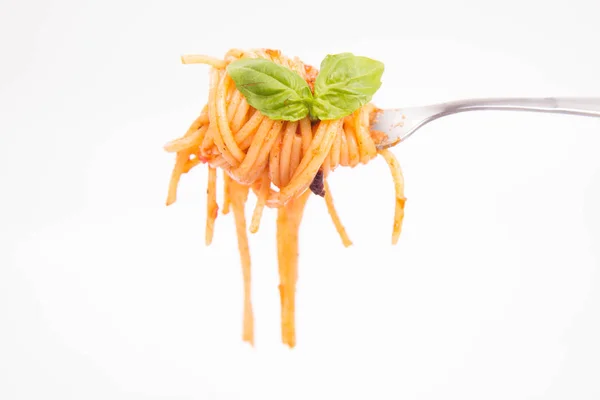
[[400, 123]]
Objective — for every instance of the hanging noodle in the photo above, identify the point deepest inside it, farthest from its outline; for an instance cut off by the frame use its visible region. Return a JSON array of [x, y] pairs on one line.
[[279, 161]]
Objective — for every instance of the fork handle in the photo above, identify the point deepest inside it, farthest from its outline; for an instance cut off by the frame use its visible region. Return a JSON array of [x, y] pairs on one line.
[[585, 106]]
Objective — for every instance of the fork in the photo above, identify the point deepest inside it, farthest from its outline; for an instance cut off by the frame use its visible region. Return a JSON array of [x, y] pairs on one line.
[[400, 123]]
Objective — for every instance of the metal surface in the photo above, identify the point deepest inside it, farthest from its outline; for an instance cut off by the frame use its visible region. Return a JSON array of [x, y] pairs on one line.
[[399, 124]]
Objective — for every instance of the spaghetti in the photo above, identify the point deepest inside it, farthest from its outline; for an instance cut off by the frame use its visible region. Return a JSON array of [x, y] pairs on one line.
[[278, 161]]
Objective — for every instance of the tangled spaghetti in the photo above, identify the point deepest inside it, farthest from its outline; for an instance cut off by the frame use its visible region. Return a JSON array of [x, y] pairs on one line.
[[278, 161]]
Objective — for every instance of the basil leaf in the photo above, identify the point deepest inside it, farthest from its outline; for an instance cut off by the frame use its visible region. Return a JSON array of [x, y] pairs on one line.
[[345, 83], [274, 90], [321, 109]]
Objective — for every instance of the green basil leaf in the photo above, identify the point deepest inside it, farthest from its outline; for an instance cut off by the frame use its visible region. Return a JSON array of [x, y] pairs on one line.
[[274, 90], [345, 83], [323, 110]]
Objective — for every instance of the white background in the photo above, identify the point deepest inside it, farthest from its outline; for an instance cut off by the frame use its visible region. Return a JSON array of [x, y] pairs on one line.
[[493, 291]]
